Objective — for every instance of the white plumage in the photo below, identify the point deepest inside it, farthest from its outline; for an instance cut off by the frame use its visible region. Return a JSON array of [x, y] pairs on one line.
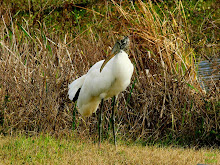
[[96, 85], [104, 80]]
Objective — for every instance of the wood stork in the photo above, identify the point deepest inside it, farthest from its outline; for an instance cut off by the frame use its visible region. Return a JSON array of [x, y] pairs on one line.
[[105, 79]]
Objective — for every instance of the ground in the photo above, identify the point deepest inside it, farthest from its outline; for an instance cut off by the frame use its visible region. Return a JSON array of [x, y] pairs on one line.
[[45, 149]]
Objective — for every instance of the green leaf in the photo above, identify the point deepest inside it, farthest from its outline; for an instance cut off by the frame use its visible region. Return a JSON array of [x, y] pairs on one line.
[[25, 32], [192, 87]]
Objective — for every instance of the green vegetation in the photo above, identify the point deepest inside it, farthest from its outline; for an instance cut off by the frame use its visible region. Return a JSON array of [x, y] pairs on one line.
[[45, 45], [202, 25], [45, 149]]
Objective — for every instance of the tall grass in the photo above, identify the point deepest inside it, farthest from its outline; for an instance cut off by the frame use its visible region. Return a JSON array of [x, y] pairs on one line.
[[164, 102]]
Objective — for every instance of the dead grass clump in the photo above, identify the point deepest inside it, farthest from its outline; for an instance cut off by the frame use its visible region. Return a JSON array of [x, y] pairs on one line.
[[163, 103]]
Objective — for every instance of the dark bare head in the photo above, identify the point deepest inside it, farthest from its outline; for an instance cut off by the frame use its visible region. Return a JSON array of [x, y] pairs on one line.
[[119, 45]]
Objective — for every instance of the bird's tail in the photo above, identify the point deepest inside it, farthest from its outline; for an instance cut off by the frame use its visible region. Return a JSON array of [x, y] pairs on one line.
[[74, 88]]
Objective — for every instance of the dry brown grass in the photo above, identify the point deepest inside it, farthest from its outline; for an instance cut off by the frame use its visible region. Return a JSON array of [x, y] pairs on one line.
[[47, 150], [38, 61]]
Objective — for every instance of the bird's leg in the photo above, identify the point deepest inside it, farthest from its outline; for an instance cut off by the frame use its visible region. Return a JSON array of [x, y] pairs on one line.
[[100, 121], [113, 117], [74, 118]]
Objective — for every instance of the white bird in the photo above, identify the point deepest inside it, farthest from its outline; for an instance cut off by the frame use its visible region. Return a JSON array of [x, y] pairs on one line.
[[104, 80]]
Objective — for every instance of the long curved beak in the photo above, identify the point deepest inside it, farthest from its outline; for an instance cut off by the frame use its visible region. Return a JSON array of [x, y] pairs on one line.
[[106, 61]]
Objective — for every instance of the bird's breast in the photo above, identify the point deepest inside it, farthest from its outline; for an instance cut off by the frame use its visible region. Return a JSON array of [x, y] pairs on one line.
[[123, 68]]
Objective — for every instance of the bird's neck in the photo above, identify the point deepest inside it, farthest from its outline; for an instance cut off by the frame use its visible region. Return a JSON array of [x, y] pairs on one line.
[[120, 61]]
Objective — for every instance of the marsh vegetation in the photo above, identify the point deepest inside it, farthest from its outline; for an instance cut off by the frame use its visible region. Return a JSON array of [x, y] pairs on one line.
[[46, 45]]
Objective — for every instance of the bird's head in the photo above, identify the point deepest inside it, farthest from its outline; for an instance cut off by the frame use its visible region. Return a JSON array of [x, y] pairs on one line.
[[119, 45]]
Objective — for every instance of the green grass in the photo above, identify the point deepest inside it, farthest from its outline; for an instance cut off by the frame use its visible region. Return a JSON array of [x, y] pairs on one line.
[[44, 149]]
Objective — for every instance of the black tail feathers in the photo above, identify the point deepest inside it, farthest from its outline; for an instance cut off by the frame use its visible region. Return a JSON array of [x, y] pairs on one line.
[[76, 95]]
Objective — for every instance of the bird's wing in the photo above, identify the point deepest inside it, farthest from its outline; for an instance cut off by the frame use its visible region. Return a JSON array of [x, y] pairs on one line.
[[74, 86], [96, 83]]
